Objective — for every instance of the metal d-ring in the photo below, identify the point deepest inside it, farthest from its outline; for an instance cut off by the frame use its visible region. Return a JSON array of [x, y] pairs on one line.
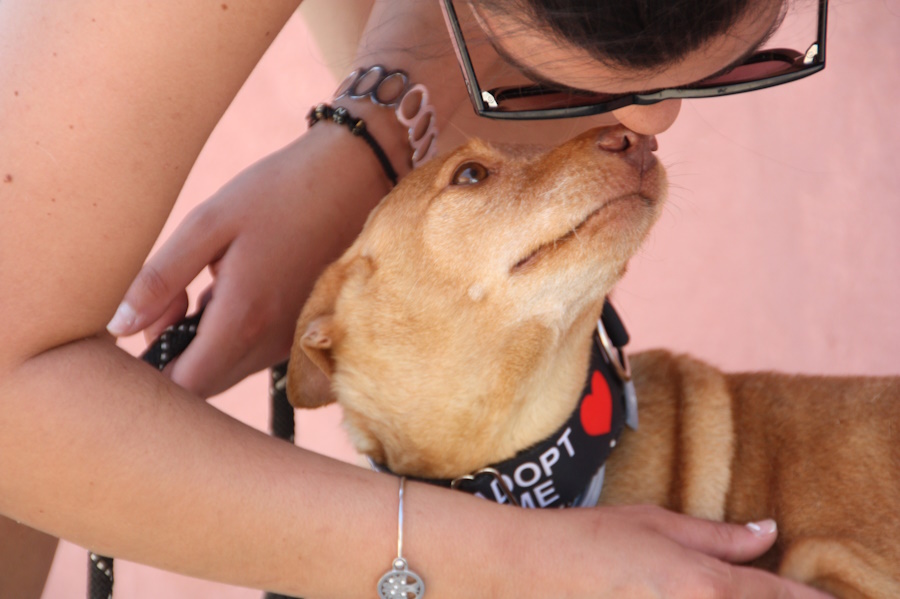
[[497, 476], [620, 363]]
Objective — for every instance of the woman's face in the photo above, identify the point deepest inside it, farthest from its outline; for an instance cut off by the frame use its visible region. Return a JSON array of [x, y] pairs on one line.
[[546, 58]]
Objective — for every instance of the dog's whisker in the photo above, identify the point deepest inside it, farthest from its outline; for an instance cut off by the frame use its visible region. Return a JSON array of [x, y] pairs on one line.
[[460, 130]]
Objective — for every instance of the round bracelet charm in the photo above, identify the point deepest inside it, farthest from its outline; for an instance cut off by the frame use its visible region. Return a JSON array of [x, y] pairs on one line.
[[401, 583]]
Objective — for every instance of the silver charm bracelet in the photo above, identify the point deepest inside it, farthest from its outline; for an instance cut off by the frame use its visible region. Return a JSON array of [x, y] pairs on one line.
[[400, 582], [392, 89]]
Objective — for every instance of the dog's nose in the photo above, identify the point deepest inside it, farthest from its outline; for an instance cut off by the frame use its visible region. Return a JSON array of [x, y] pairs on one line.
[[635, 148]]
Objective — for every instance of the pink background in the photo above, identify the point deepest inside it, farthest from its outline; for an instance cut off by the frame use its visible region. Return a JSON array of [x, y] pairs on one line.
[[779, 247]]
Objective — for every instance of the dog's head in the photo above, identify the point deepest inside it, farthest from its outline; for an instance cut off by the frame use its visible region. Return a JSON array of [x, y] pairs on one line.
[[456, 329]]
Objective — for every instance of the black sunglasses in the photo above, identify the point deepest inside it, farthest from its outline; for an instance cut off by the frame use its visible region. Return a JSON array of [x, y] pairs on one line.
[[762, 69]]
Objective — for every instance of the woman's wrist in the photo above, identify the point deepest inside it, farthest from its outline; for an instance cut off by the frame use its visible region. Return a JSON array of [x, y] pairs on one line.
[[396, 94], [464, 546], [350, 159], [357, 127], [409, 53], [384, 128]]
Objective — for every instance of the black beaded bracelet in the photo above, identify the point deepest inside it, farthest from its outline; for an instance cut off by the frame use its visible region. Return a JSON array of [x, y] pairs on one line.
[[341, 116]]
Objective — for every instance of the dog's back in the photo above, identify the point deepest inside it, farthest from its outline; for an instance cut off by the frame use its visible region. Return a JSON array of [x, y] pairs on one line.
[[817, 454]]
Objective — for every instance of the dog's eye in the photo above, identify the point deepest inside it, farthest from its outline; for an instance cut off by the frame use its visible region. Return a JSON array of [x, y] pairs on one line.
[[469, 173]]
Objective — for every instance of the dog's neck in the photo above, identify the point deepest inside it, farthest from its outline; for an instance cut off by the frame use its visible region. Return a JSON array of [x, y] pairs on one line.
[[566, 468]]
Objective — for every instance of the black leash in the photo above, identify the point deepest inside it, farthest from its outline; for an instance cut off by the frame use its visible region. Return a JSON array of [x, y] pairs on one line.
[[167, 347], [281, 419]]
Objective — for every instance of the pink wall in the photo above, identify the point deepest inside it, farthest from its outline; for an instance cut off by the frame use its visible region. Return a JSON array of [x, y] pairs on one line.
[[779, 248]]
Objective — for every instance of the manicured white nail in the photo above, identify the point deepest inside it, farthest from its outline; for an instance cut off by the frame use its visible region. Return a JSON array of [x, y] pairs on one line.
[[763, 528], [122, 320]]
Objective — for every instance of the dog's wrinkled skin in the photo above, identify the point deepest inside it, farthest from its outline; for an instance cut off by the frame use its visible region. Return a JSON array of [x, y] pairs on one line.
[[456, 331]]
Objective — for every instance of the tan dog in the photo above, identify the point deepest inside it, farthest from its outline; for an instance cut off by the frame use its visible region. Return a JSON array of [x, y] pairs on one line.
[[458, 328]]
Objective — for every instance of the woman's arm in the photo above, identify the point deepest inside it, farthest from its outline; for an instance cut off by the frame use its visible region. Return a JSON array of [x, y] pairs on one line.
[[25, 559], [104, 108], [186, 488]]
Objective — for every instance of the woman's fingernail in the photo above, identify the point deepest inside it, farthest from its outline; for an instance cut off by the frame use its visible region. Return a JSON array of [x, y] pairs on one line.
[[763, 528], [122, 320]]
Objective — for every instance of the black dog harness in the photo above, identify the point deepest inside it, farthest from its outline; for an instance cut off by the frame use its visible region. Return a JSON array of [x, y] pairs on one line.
[[566, 469]]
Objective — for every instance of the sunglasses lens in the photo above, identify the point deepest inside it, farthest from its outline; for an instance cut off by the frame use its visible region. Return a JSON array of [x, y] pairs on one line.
[[766, 64], [763, 65], [539, 97]]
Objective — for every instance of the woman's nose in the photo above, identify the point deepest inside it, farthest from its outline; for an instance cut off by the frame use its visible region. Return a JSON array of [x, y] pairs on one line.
[[651, 119]]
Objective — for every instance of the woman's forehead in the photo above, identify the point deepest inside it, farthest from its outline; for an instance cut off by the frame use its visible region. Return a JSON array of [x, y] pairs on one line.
[[542, 56]]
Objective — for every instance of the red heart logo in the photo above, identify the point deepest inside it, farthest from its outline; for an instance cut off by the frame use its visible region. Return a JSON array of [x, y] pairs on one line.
[[596, 409]]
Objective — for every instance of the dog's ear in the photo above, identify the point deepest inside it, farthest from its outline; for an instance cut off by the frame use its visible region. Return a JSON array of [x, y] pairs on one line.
[[317, 341], [311, 364]]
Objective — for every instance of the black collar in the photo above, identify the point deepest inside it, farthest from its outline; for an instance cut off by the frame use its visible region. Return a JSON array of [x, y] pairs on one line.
[[564, 468]]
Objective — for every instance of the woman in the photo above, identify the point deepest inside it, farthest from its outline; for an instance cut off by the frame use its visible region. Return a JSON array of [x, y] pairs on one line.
[[103, 111]]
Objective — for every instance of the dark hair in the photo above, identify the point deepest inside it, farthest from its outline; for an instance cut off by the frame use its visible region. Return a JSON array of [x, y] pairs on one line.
[[640, 34]]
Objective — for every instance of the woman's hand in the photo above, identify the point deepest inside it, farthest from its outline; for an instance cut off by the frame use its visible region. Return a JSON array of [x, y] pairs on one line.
[[641, 551], [265, 235], [268, 233]]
